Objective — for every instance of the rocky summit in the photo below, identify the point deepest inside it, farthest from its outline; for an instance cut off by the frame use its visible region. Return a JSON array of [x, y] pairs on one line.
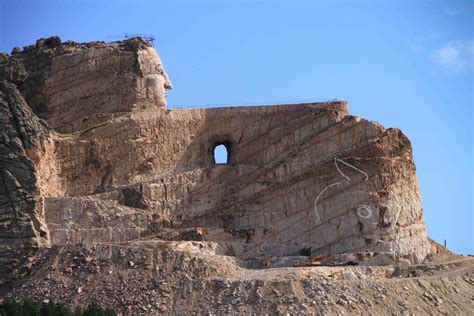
[[108, 196]]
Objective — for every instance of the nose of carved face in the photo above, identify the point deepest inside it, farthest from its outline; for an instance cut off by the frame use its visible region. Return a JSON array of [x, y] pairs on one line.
[[167, 85]]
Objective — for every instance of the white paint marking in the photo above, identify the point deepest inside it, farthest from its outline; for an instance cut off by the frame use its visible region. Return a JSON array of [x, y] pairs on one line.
[[366, 208], [317, 198], [342, 174], [349, 165]]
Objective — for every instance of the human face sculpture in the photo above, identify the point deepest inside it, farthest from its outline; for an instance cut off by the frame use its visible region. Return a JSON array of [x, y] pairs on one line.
[[155, 77]]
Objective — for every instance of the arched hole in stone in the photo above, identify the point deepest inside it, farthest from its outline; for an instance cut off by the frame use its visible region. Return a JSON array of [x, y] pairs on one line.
[[221, 154]]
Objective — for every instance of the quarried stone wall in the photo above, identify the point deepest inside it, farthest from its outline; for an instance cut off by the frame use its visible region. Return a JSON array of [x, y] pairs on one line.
[[117, 166]]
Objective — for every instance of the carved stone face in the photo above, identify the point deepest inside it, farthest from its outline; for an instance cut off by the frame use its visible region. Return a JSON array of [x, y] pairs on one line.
[[156, 80]]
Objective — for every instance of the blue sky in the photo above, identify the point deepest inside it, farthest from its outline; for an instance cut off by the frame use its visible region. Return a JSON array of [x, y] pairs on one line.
[[405, 64]]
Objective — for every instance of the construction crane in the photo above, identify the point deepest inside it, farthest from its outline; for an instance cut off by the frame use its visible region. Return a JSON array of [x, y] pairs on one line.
[[147, 37]]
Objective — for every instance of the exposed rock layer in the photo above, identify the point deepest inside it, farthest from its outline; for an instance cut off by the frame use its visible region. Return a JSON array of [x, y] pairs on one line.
[[285, 152], [303, 180], [22, 228], [75, 86]]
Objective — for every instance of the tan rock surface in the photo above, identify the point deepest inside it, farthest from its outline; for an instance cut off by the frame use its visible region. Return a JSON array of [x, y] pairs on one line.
[[75, 86], [127, 184], [289, 152]]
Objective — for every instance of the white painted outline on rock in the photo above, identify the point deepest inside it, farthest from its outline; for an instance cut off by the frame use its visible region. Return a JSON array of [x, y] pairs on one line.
[[349, 165], [360, 207], [317, 198], [366, 208]]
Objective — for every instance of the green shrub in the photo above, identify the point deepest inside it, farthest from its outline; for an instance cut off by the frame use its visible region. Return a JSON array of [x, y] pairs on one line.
[[31, 307], [95, 310]]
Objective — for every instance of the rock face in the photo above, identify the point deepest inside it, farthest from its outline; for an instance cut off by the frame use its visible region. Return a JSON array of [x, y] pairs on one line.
[[22, 228], [75, 86], [118, 167]]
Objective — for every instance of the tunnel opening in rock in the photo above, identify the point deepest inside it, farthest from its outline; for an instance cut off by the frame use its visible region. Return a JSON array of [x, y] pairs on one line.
[[221, 153]]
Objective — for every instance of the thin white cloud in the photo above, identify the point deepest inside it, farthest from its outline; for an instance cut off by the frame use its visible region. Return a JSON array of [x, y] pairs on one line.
[[455, 57]]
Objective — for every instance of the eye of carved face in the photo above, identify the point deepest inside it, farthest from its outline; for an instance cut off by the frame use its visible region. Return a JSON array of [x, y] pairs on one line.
[[159, 70]]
